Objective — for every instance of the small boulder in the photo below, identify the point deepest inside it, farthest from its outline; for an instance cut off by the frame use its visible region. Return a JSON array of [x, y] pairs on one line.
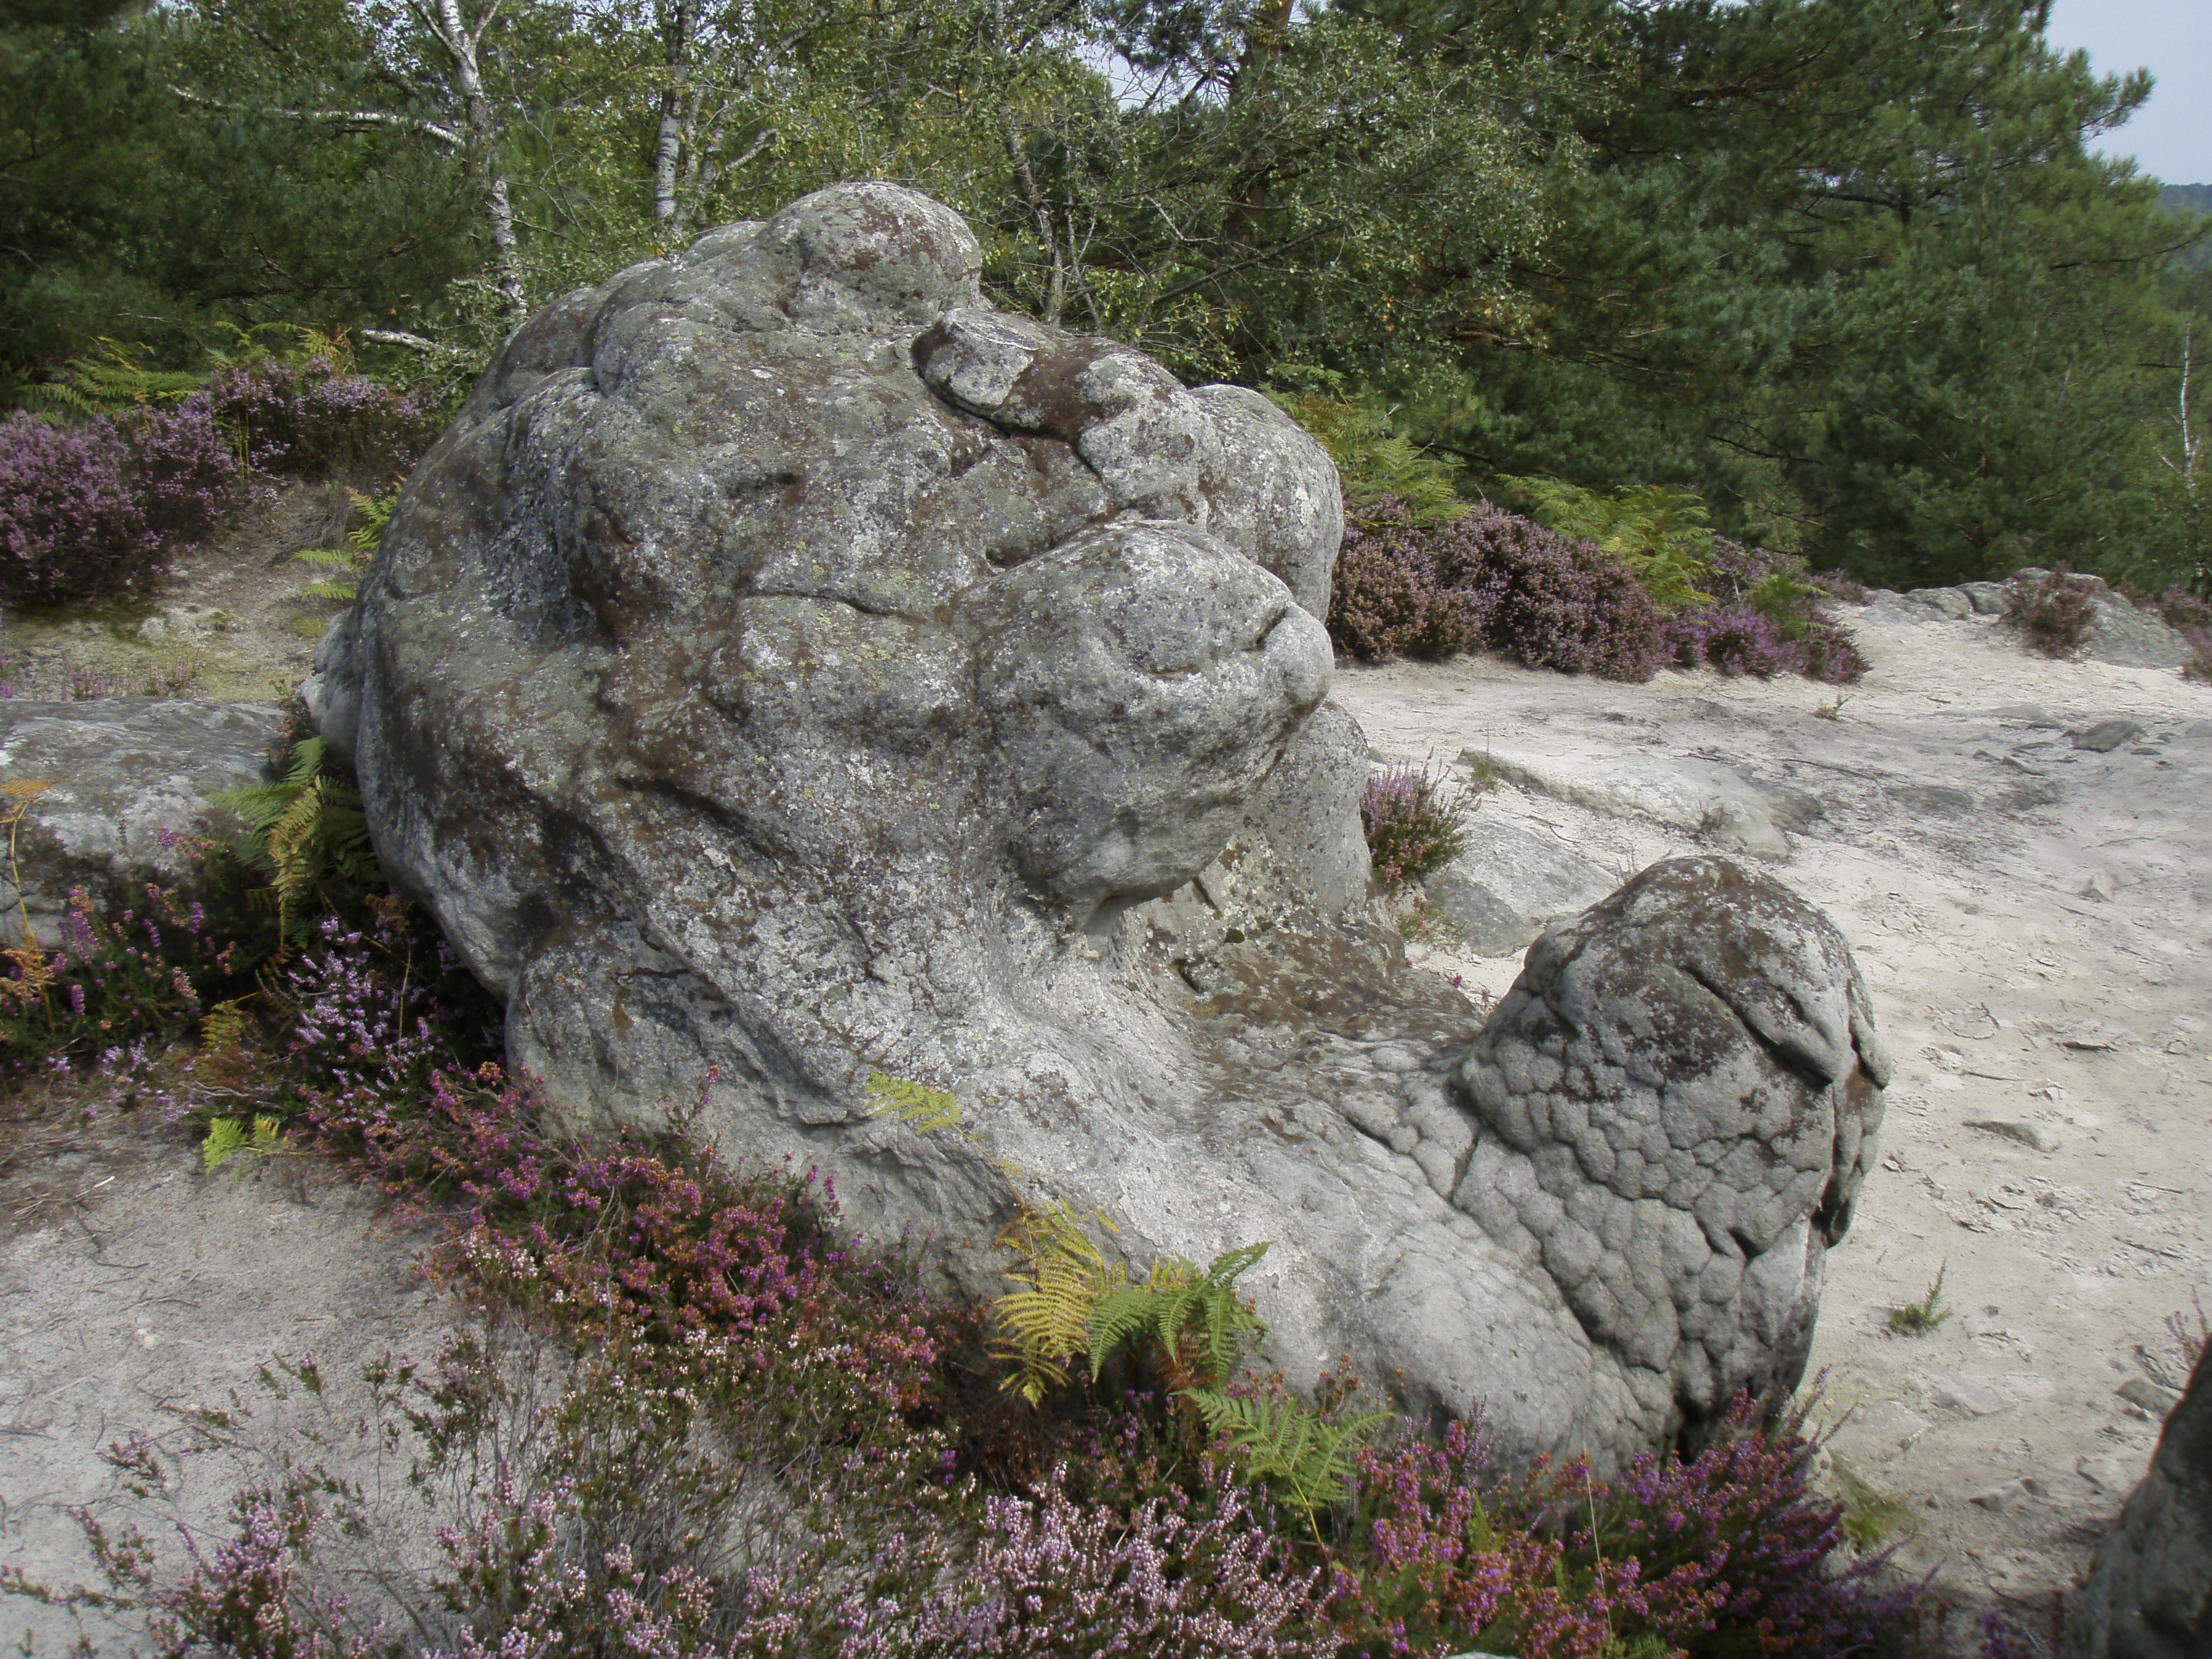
[[1951, 603], [2105, 736], [1509, 882]]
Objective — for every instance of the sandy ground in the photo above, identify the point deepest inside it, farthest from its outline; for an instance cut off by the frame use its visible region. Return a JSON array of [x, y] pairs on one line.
[[1954, 851]]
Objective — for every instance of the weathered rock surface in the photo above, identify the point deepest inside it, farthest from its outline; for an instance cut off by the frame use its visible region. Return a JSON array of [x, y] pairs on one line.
[[788, 664], [128, 776], [1715, 800], [1678, 1099], [1509, 882], [2148, 1595]]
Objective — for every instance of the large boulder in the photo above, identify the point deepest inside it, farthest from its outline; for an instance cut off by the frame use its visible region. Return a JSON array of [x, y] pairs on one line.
[[789, 669], [2148, 1593], [1680, 1095], [125, 783]]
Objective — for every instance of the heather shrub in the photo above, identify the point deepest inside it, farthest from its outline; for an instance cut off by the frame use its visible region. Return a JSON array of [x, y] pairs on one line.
[[1415, 824], [1736, 639], [1398, 593], [2191, 618], [1558, 603], [311, 420], [2051, 608], [182, 471], [72, 525], [1762, 615]]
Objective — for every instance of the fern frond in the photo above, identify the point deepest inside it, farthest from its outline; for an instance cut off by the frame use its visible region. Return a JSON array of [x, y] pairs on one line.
[[226, 1138], [1280, 1441], [326, 558], [1063, 1278], [927, 1109], [333, 593]]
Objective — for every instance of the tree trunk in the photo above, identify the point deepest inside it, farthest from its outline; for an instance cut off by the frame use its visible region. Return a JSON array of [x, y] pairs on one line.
[[461, 42], [679, 27]]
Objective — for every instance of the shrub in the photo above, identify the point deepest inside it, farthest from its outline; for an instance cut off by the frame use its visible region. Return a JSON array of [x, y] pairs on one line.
[[182, 471], [1414, 824], [310, 421], [71, 527], [1657, 531], [1736, 639], [1726, 1554], [2191, 618], [1559, 603], [1393, 597], [2051, 608]]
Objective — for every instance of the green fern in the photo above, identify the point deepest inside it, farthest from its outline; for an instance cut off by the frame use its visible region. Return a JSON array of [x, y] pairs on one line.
[[229, 1137], [1372, 458], [1306, 1459], [304, 834], [1176, 1301], [115, 382], [928, 1110], [351, 562], [1658, 532]]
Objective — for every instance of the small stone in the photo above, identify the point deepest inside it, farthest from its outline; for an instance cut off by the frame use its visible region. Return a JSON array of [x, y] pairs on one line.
[[2025, 1133], [2142, 1391], [2106, 735], [2100, 887], [1968, 1397], [2105, 1474], [1999, 1498]]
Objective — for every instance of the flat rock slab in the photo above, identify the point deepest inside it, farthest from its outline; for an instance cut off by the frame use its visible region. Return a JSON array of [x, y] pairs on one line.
[[126, 778], [1704, 796], [1509, 882]]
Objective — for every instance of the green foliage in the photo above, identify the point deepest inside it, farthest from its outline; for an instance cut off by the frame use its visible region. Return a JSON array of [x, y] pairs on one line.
[[308, 835], [925, 1109], [349, 563], [1306, 1458], [1046, 1324], [1195, 1319], [115, 382], [1922, 1318], [234, 1140], [1372, 459], [1658, 532]]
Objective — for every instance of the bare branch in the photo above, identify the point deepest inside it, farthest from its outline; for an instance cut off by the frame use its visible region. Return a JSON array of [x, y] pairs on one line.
[[359, 120]]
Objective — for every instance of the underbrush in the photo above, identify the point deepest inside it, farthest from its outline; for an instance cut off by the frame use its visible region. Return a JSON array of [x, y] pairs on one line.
[[1488, 580], [131, 469], [684, 1411]]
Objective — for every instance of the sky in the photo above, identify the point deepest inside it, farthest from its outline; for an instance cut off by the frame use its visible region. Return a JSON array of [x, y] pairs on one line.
[[2171, 137]]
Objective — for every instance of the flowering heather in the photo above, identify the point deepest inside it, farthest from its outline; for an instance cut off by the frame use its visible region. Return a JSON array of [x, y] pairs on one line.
[[182, 470], [1726, 1554], [1736, 639], [1766, 617], [71, 525], [310, 421], [1398, 593], [1559, 603], [1414, 824], [2052, 610]]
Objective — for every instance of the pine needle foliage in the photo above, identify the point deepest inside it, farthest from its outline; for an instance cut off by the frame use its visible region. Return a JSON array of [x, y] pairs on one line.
[[308, 835]]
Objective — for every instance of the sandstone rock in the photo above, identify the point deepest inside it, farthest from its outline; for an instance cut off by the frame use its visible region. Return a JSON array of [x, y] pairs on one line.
[[1509, 882], [1987, 598], [1704, 796], [1970, 1398], [1678, 1099], [1952, 604], [788, 665], [128, 776], [2036, 1136], [2105, 736], [2118, 633], [2148, 1593]]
